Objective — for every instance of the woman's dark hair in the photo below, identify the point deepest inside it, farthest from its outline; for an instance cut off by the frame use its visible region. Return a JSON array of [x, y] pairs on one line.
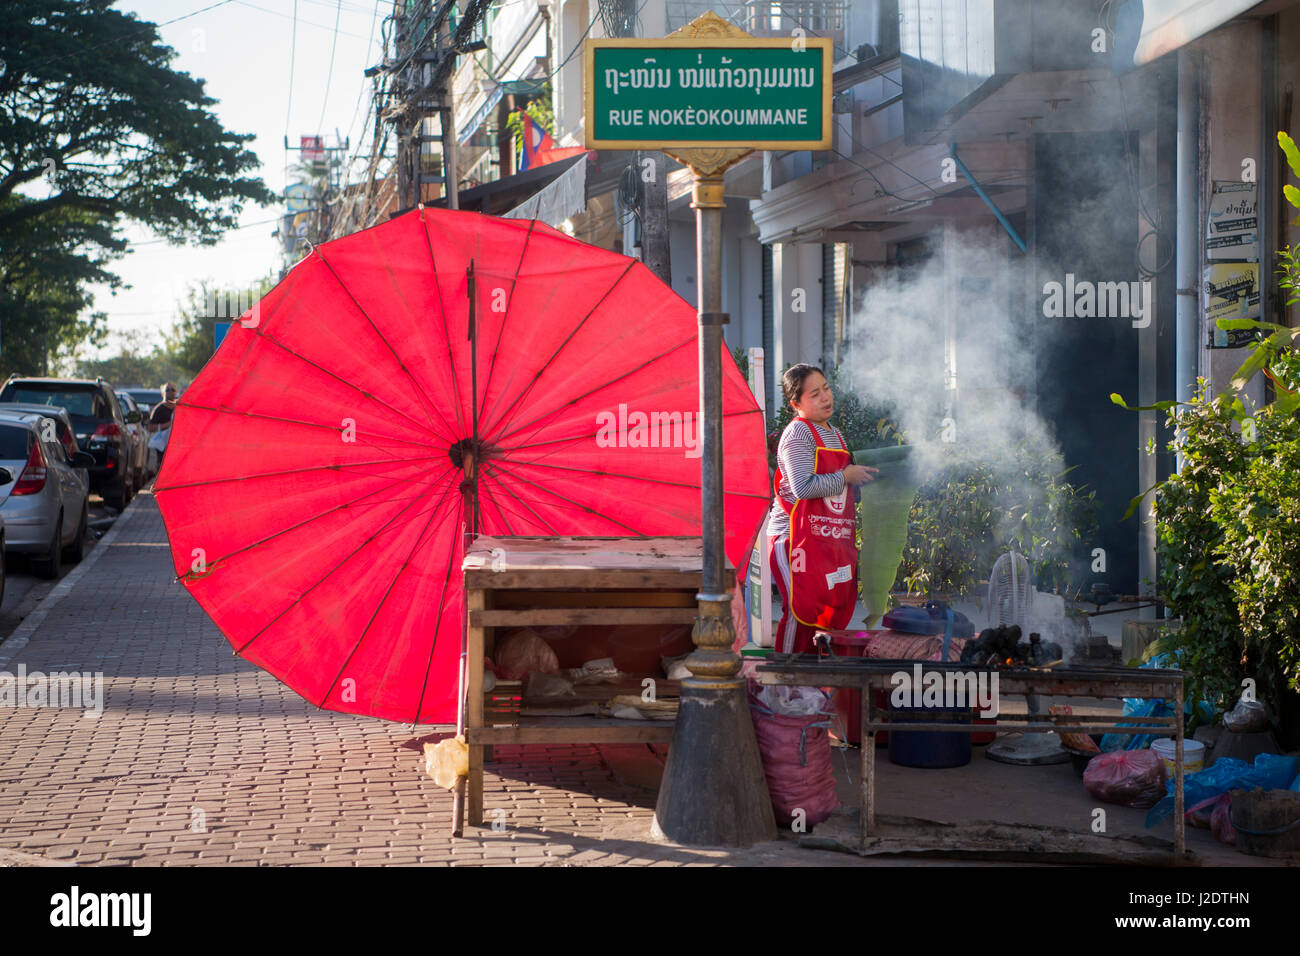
[[795, 376]]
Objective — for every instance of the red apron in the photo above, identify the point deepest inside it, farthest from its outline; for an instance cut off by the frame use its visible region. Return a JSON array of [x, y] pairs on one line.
[[823, 559]]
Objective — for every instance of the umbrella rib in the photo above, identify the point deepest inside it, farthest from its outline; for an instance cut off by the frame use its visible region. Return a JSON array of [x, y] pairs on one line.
[[580, 507], [300, 471], [424, 399], [632, 371], [433, 644], [374, 398], [523, 503], [615, 474], [532, 223], [225, 410], [348, 504], [554, 441], [446, 332], [298, 600], [380, 606], [519, 403], [484, 492]]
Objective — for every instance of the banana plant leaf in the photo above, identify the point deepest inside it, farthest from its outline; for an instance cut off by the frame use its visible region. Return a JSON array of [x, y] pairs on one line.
[[882, 516]]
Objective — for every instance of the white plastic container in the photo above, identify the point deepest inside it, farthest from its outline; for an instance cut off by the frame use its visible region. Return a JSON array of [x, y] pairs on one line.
[[1193, 754]]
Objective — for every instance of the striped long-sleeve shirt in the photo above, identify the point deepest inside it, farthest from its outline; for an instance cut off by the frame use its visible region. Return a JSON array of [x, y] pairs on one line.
[[795, 457]]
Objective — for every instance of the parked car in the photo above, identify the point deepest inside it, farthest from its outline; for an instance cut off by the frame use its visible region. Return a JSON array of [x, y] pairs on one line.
[[137, 423], [45, 497], [61, 421], [146, 398], [100, 428]]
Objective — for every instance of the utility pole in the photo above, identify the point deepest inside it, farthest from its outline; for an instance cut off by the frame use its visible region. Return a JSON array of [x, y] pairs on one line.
[[425, 49], [654, 215]]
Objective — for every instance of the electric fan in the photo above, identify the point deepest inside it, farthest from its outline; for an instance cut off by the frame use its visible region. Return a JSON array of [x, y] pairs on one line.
[[1011, 596]]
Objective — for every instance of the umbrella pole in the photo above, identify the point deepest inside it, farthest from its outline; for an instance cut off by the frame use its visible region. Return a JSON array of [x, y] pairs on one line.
[[470, 525], [713, 791]]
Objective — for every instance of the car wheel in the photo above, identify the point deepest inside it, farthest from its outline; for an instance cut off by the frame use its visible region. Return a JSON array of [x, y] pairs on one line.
[[77, 550], [49, 566]]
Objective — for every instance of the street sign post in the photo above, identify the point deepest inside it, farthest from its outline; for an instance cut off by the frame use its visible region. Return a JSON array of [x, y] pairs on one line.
[[708, 95]]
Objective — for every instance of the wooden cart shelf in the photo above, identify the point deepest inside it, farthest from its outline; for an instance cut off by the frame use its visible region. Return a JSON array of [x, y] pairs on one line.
[[573, 730], [518, 581]]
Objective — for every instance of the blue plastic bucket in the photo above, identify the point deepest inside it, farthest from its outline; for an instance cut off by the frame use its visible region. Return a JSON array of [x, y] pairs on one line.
[[929, 748]]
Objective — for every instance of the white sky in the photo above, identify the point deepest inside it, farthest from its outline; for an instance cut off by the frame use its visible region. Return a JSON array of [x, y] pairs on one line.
[[242, 51]]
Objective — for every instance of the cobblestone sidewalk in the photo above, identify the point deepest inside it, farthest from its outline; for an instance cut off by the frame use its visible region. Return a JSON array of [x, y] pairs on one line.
[[199, 757]]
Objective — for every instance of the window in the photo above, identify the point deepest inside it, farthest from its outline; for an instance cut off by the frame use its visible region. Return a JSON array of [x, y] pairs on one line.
[[76, 401]]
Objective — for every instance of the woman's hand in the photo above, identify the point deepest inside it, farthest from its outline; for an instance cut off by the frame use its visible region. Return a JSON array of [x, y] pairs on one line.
[[860, 474]]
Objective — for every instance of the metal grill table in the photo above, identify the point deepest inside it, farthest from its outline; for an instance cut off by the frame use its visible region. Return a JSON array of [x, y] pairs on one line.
[[869, 675]]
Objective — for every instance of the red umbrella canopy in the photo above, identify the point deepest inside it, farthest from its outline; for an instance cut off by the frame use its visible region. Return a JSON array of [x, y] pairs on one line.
[[314, 486]]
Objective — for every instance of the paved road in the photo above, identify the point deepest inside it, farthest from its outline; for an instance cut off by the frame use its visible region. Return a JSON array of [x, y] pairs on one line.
[[24, 590]]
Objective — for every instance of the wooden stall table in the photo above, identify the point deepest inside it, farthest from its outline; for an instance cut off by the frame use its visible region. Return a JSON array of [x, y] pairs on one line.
[[522, 581], [1102, 682]]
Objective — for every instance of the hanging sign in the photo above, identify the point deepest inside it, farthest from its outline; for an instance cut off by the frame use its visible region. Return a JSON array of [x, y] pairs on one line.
[[1232, 291], [677, 92], [1232, 228]]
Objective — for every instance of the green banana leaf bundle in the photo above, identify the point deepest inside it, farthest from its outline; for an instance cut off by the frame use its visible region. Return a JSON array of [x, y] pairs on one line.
[[882, 518]]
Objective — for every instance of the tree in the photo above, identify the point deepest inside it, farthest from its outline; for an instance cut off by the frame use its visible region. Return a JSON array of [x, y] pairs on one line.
[[141, 360], [192, 339], [96, 130]]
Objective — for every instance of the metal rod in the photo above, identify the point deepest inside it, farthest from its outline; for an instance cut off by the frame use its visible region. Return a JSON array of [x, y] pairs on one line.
[[979, 191]]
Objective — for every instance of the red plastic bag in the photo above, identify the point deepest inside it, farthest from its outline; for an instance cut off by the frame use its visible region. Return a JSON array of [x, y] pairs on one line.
[[522, 652], [1131, 778], [796, 754]]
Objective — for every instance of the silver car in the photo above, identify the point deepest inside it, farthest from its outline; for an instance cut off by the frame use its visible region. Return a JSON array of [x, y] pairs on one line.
[[45, 500], [137, 423], [64, 427]]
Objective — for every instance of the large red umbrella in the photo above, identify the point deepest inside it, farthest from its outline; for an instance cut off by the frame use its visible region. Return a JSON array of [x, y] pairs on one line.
[[315, 486]]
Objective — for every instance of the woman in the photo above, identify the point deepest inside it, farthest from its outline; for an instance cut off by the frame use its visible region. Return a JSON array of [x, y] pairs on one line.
[[814, 560]]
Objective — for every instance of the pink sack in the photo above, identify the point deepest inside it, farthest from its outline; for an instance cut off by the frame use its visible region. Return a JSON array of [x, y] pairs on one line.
[[1131, 778], [796, 754]]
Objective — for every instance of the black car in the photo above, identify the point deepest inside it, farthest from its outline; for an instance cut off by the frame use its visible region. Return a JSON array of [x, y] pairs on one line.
[[100, 426]]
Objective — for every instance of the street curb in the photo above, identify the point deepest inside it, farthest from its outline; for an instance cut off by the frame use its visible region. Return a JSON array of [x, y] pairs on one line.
[[21, 636]]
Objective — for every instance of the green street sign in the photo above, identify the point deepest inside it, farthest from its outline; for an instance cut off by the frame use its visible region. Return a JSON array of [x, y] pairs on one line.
[[709, 92]]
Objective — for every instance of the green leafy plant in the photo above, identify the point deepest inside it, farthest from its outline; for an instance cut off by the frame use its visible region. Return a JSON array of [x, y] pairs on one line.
[[1228, 522], [971, 511]]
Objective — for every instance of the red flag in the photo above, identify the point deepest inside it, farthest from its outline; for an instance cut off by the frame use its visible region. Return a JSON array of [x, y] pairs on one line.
[[540, 148]]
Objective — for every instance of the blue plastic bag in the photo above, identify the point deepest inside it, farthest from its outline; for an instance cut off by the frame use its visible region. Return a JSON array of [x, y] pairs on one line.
[[1142, 707], [1270, 772]]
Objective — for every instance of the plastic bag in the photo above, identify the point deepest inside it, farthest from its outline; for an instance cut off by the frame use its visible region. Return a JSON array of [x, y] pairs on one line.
[[794, 701], [796, 755], [1247, 717], [1079, 743], [521, 652], [1221, 821], [446, 761], [1131, 778], [1270, 771]]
